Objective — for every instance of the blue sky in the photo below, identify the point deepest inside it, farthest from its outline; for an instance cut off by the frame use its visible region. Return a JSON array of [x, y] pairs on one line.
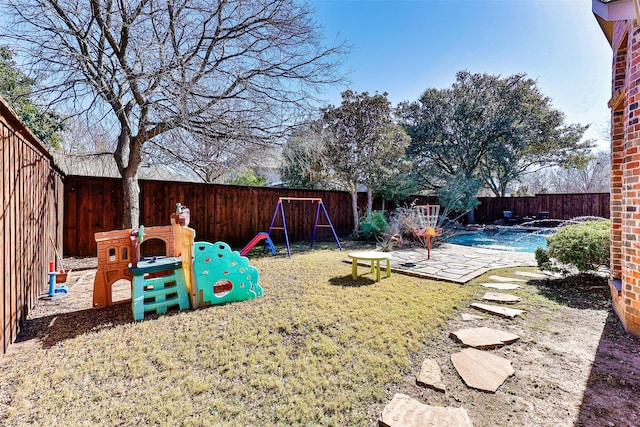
[[404, 47]]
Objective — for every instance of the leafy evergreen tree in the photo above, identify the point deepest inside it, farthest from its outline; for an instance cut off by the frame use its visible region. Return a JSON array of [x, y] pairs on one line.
[[16, 88]]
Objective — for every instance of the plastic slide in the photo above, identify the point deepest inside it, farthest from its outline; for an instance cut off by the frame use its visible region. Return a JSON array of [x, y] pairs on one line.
[[259, 237]]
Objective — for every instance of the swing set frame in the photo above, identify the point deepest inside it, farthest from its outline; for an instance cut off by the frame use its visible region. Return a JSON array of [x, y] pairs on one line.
[[280, 209]]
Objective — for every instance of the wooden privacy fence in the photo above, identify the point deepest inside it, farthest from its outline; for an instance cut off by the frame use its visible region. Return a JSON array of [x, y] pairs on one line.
[[32, 195], [233, 214], [558, 206]]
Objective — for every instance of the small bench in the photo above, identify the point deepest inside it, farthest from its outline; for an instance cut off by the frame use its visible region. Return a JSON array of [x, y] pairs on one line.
[[375, 257]]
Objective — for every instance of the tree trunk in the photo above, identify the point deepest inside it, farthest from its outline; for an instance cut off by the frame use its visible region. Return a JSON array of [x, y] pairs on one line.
[[354, 205], [128, 157], [131, 196], [369, 201]]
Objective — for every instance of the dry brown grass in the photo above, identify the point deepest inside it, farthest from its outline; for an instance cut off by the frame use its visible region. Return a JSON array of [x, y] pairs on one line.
[[317, 349]]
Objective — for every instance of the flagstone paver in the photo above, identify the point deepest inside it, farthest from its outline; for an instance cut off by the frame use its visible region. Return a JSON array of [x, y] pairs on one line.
[[532, 275], [484, 338], [501, 286], [456, 263], [482, 370], [505, 279], [497, 310], [403, 411], [500, 297], [430, 376]]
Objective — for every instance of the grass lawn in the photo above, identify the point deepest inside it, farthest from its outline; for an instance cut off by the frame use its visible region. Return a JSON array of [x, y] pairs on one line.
[[317, 349]]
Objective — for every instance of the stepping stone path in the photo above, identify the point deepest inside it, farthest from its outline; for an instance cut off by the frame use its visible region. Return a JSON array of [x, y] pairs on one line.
[[478, 369], [500, 297], [484, 338], [531, 275], [468, 317], [403, 411], [482, 370], [501, 286], [430, 376], [497, 310], [505, 279]]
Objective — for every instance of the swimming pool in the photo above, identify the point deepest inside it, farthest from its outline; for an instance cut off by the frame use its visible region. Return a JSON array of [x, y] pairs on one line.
[[510, 239]]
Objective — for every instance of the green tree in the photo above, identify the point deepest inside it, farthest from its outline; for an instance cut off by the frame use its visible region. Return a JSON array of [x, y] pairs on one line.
[[225, 71], [362, 143], [16, 88], [449, 130], [530, 135], [487, 129], [388, 175], [398, 185], [249, 178], [304, 158]]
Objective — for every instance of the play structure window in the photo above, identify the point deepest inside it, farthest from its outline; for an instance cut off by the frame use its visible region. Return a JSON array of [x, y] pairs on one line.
[[112, 255], [153, 247], [125, 254], [222, 287]]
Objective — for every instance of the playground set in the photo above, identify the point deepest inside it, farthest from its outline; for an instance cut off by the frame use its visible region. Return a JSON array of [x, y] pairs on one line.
[[189, 273]]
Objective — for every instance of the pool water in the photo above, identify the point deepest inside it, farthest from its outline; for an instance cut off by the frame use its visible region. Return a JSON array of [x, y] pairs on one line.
[[504, 239]]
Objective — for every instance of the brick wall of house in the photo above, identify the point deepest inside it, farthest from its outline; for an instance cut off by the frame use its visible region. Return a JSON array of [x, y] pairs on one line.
[[625, 174]]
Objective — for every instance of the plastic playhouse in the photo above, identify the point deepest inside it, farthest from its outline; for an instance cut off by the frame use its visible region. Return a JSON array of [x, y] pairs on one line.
[[188, 273]]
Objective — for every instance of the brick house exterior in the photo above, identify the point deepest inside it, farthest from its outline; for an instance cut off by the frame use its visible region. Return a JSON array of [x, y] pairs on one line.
[[619, 22]]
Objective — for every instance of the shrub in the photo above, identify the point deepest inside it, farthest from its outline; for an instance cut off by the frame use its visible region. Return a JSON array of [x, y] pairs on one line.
[[585, 246], [373, 226], [543, 260]]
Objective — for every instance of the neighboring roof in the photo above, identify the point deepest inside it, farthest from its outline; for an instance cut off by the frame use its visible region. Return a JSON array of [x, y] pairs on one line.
[[104, 165]]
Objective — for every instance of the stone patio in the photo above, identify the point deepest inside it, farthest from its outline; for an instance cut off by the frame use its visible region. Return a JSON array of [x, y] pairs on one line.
[[455, 263]]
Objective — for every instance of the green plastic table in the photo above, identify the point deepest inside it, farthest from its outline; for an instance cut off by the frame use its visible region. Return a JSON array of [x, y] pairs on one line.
[[375, 257]]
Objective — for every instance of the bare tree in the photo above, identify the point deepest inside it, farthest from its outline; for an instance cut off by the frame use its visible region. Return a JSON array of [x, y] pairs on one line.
[[209, 158], [593, 178], [167, 67], [82, 136]]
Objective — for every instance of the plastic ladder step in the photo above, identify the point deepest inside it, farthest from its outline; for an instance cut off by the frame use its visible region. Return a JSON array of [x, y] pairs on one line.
[[152, 306], [160, 280], [154, 293]]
